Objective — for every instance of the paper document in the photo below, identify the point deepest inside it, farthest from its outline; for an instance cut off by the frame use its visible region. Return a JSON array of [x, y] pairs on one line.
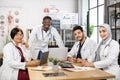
[[77, 69], [42, 68]]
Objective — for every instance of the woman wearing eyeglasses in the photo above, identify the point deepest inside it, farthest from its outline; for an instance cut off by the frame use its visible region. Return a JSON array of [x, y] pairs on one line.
[[16, 58]]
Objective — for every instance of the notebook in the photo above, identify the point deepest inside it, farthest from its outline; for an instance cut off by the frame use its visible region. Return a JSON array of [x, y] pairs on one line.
[[58, 53], [44, 58]]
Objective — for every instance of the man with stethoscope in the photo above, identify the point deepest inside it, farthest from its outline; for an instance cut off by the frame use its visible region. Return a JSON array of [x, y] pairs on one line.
[[84, 47], [42, 35]]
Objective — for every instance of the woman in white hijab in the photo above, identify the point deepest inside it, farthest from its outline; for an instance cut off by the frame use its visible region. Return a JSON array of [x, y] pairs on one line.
[[106, 57]]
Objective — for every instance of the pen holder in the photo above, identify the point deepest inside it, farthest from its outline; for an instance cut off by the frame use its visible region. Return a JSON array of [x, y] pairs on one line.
[[55, 68], [50, 64]]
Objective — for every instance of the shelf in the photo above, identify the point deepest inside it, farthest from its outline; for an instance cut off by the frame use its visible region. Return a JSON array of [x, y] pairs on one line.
[[117, 27], [116, 4], [70, 41], [49, 46], [66, 35]]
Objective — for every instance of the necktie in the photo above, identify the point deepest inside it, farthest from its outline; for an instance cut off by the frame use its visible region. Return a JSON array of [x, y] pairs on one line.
[[21, 53], [79, 51]]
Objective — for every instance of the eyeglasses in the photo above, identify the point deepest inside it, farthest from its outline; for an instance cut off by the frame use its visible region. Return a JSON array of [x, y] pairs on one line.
[[21, 35]]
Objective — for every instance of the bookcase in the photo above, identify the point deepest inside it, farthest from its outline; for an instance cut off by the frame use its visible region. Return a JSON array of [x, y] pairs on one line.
[[66, 35], [114, 19]]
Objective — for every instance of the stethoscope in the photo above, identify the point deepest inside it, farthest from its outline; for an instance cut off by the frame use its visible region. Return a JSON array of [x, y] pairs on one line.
[[49, 34], [108, 45], [77, 48]]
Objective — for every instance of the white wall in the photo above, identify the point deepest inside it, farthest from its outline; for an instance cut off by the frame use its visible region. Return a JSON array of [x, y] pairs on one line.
[[32, 11], [82, 10]]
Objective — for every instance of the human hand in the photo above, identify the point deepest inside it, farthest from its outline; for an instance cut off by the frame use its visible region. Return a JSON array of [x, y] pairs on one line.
[[87, 64], [79, 60], [71, 59], [25, 44], [36, 62], [32, 63]]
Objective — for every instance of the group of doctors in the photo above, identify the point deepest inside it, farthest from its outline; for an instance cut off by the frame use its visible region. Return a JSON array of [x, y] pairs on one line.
[[17, 54]]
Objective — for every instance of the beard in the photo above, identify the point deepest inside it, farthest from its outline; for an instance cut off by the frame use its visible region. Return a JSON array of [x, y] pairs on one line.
[[79, 38]]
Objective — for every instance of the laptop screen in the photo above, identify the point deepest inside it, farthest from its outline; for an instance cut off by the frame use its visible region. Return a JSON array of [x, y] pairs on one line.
[[44, 58], [58, 53]]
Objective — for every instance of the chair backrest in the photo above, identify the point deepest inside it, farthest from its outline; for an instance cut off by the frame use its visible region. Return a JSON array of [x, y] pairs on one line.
[[119, 58], [1, 61]]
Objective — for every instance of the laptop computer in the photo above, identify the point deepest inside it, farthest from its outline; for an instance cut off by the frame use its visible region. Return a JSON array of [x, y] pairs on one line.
[[58, 53], [44, 58]]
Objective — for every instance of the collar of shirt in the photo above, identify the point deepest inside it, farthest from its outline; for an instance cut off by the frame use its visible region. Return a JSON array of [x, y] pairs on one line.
[[46, 34]]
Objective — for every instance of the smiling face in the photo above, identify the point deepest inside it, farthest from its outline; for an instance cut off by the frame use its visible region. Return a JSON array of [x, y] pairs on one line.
[[46, 23], [79, 35], [18, 37], [103, 33]]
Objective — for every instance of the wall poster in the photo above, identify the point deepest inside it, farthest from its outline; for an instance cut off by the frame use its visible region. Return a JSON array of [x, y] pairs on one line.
[[9, 18]]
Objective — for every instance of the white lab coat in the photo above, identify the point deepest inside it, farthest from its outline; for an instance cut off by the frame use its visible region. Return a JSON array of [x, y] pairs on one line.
[[87, 50], [109, 58], [39, 39], [12, 62]]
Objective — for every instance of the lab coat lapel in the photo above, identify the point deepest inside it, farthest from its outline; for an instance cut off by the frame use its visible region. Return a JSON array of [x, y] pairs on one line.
[[39, 33], [85, 43], [106, 48]]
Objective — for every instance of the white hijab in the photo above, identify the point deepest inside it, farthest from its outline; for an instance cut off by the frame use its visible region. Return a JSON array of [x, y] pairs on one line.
[[105, 41], [107, 27]]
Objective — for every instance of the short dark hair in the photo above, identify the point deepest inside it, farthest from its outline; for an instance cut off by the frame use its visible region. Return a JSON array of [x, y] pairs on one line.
[[14, 31], [47, 17], [77, 27]]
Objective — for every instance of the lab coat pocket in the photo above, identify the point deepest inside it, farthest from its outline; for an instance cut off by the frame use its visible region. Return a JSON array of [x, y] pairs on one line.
[[85, 53]]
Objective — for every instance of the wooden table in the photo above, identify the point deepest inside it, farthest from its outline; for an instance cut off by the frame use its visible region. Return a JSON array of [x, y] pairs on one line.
[[82, 75]]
